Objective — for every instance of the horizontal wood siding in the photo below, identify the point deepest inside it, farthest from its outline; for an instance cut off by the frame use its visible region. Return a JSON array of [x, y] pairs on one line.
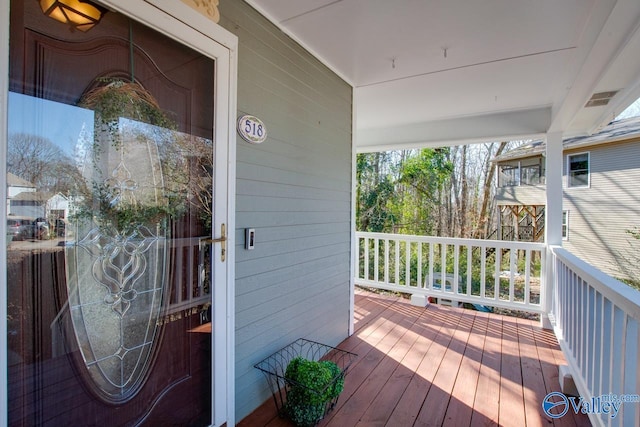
[[600, 215], [295, 190]]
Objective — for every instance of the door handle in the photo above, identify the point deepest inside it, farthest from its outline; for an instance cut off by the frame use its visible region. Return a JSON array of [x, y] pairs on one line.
[[222, 240]]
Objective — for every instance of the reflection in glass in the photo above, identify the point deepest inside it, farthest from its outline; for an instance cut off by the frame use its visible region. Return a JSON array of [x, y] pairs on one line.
[[134, 184], [117, 268], [120, 188], [106, 206]]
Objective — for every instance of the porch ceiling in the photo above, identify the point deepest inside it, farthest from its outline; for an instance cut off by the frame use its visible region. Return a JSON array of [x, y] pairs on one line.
[[438, 72]]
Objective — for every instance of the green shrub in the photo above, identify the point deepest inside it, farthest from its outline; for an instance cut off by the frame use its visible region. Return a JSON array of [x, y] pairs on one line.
[[311, 385]]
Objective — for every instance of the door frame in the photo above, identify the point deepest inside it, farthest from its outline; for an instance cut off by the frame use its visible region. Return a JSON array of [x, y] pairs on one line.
[[176, 20]]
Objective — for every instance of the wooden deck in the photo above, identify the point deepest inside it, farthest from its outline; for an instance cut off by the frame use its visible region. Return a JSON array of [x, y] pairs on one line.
[[441, 366]]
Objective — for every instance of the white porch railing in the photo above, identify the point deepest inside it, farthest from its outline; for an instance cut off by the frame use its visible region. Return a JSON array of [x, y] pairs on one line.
[[191, 271], [487, 272], [596, 319]]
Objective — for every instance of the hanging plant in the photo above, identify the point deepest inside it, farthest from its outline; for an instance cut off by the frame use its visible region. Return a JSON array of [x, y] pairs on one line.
[[117, 99], [113, 196]]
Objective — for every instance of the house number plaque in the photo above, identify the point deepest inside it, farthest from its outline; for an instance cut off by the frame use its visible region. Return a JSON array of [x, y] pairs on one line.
[[252, 129]]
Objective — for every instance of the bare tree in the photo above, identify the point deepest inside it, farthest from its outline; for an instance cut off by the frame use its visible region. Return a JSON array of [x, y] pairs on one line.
[[484, 223], [41, 162]]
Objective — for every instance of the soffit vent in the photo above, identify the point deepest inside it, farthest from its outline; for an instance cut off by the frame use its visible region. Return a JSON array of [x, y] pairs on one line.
[[601, 98]]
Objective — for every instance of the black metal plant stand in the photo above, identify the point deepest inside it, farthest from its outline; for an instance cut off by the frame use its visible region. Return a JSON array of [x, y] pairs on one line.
[[274, 368]]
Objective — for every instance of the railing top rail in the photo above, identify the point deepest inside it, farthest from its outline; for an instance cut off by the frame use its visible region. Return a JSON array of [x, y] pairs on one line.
[[454, 240], [623, 296]]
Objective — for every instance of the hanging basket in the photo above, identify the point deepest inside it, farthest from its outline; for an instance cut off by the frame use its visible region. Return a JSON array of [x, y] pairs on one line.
[[117, 98]]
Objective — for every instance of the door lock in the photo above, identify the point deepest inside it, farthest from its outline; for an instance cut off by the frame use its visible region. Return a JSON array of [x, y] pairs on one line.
[[222, 240]]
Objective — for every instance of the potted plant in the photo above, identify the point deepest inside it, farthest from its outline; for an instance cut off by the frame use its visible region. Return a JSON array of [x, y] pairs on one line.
[[313, 387], [305, 378]]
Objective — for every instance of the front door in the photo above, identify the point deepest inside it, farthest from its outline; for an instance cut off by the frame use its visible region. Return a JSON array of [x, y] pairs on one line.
[[116, 193]]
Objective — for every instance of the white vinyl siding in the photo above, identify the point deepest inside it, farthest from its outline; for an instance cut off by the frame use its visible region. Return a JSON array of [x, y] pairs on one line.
[[294, 189], [521, 181], [602, 213], [521, 195]]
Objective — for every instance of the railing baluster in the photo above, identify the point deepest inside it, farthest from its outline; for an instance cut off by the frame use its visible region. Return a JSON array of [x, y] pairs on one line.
[[443, 264], [396, 252], [358, 263], [617, 378], [483, 272], [419, 283], [512, 278], [527, 277], [456, 265], [366, 258], [191, 269], [376, 259], [608, 348], [590, 338], [431, 258], [496, 280], [583, 320], [596, 377], [407, 273], [386, 260], [631, 373], [469, 270]]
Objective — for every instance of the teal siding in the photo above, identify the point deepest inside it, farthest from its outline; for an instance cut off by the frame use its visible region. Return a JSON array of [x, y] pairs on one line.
[[295, 190]]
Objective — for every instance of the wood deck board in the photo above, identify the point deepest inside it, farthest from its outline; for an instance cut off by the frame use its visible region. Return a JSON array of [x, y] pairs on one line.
[[459, 410], [435, 405], [533, 376], [511, 387], [440, 366], [410, 403], [380, 364]]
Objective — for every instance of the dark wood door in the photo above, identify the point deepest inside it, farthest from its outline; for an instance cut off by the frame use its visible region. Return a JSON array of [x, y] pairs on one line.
[[51, 379]]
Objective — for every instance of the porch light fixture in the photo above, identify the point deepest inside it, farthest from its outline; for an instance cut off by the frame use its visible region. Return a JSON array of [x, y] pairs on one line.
[[77, 14]]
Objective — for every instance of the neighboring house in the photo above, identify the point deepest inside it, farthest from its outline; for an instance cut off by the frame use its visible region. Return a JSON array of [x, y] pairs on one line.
[[601, 200], [31, 204], [15, 186], [58, 207], [40, 204]]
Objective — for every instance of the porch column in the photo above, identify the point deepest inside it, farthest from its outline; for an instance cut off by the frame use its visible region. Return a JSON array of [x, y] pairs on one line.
[[354, 201], [553, 215]]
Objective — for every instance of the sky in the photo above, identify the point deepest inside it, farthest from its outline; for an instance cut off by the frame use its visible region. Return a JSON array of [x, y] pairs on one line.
[[60, 123], [632, 111]]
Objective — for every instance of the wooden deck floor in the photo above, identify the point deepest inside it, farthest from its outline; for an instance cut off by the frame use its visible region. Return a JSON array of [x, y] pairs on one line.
[[441, 366]]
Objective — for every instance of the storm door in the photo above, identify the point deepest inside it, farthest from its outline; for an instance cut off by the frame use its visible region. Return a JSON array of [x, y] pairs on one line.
[[111, 207]]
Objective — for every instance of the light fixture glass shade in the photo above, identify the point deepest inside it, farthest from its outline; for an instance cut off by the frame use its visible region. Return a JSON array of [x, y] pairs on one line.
[[77, 14]]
